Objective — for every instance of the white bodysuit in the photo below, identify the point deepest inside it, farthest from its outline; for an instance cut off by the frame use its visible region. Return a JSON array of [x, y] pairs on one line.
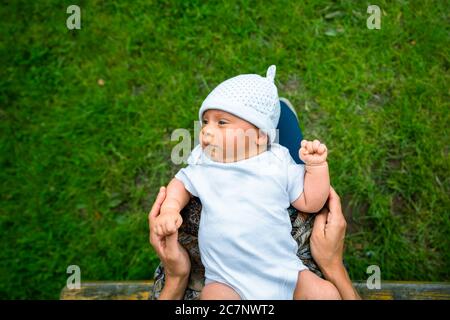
[[244, 235]]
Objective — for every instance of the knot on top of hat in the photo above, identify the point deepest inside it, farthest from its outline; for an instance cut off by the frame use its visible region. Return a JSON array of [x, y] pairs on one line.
[[271, 71]]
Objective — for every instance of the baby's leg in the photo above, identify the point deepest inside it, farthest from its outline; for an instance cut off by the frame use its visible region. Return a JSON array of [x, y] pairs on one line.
[[311, 287], [218, 291]]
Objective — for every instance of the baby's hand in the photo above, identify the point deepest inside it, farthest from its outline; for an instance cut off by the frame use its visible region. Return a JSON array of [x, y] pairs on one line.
[[313, 153], [168, 221]]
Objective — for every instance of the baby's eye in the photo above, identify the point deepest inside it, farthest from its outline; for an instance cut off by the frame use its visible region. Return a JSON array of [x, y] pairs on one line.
[[222, 122], [204, 121]]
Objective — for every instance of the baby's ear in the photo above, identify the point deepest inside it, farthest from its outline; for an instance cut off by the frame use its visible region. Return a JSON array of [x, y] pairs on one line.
[[263, 139]]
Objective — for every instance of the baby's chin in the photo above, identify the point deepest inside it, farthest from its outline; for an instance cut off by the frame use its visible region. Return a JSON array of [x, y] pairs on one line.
[[217, 154], [214, 153]]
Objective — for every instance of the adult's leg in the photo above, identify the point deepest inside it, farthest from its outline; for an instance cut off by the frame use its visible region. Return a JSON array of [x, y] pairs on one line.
[[289, 132]]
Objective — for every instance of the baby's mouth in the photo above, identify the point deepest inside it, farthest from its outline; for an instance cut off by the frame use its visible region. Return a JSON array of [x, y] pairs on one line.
[[211, 150], [210, 146]]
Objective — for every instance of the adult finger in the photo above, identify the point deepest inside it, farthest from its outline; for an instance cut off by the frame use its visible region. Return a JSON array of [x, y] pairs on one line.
[[158, 245], [154, 212], [334, 201], [171, 249], [158, 242], [334, 204], [160, 231]]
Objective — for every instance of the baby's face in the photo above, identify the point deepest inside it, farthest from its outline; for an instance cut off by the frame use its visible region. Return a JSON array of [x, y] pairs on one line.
[[228, 138]]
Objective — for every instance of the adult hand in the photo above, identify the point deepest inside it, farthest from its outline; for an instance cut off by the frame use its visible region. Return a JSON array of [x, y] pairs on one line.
[[327, 238], [327, 246], [173, 256]]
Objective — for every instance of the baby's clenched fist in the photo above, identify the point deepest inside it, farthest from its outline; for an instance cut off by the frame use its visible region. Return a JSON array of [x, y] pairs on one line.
[[313, 152], [168, 221]]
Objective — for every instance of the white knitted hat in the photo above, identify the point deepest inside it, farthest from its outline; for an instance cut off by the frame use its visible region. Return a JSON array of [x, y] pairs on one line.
[[250, 97]]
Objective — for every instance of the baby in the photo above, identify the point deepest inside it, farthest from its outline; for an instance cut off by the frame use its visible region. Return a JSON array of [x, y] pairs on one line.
[[246, 182]]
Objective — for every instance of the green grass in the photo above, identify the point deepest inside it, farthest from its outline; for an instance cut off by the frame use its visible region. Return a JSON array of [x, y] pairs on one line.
[[81, 163]]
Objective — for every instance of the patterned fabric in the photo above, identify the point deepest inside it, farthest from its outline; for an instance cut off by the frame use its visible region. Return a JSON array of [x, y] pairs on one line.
[[301, 231]]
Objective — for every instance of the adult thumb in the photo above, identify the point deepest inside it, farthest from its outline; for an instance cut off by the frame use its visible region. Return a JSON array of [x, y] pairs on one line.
[[154, 212], [334, 202], [320, 222]]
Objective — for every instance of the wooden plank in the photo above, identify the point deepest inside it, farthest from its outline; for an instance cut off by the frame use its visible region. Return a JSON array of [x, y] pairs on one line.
[[402, 290], [108, 290], [140, 290]]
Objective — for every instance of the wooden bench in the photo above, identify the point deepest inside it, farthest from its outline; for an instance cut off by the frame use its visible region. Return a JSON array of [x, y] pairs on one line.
[[140, 290]]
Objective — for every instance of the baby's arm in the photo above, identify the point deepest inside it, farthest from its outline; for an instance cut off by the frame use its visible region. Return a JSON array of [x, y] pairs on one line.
[[169, 219], [317, 179]]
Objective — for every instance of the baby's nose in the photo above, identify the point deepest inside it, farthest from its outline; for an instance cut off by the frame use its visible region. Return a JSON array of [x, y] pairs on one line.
[[207, 134]]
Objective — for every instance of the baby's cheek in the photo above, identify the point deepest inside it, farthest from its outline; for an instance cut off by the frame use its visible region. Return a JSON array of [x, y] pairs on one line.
[[226, 140]]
